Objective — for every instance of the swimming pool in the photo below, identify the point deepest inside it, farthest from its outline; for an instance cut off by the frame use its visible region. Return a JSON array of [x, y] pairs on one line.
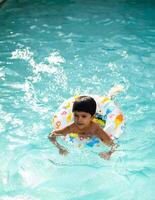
[[52, 50]]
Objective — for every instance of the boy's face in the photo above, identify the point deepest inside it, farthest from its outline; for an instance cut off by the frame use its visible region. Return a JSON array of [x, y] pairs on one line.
[[82, 119]]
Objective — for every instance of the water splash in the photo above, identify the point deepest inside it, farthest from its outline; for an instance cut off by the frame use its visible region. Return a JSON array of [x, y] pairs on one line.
[[2, 73], [18, 197], [23, 54], [50, 66], [55, 58]]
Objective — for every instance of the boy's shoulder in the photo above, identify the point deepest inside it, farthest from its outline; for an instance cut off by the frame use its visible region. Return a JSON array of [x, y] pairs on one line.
[[96, 126], [73, 127]]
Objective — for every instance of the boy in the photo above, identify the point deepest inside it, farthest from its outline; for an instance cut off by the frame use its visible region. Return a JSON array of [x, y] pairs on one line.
[[84, 109]]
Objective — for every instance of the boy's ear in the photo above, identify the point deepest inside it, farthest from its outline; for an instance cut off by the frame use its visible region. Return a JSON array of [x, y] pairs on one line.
[[93, 116]]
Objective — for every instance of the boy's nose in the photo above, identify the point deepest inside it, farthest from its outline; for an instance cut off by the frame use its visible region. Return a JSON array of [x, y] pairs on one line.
[[79, 120]]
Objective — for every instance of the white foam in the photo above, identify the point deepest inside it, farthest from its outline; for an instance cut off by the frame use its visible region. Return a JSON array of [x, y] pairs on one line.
[[55, 58], [19, 197], [24, 54], [2, 73]]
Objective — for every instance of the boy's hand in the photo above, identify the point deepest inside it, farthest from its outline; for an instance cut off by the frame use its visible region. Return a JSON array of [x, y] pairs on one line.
[[105, 155], [63, 151]]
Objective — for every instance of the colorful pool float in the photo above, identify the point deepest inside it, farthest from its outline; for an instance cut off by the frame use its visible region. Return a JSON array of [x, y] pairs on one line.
[[108, 116]]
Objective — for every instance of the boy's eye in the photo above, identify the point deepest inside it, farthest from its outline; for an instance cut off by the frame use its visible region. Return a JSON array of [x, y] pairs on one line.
[[83, 116]]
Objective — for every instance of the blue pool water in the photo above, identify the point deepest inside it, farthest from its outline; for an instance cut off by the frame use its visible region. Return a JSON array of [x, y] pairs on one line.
[[52, 50]]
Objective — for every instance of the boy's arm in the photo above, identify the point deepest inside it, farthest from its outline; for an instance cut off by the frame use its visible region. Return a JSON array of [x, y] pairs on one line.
[[60, 132], [100, 133]]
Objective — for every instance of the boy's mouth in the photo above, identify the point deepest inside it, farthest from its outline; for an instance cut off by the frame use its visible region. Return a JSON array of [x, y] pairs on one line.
[[80, 124]]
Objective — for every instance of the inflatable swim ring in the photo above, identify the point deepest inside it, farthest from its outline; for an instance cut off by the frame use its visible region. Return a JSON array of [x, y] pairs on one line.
[[108, 116]]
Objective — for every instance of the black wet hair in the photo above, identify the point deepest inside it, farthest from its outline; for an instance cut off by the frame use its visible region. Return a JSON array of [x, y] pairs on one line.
[[84, 104]]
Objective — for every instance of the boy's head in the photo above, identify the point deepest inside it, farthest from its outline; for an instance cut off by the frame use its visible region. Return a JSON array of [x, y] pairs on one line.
[[84, 109], [85, 104]]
